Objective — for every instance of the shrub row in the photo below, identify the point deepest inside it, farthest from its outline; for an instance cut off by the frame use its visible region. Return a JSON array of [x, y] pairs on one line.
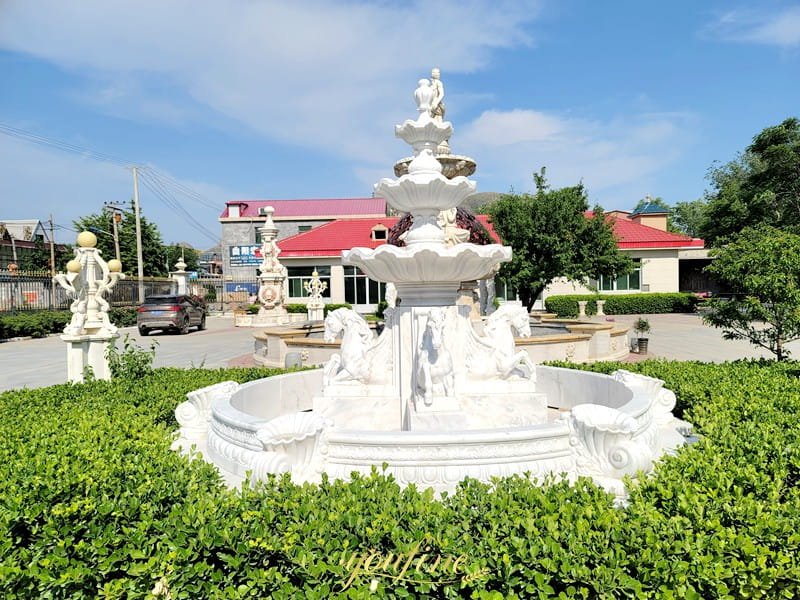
[[623, 304], [302, 308], [95, 504], [43, 322]]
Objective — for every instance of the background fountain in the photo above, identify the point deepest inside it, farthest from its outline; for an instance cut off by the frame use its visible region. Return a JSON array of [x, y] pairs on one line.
[[433, 398]]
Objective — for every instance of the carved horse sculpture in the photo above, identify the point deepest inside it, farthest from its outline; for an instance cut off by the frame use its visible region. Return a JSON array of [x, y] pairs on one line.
[[352, 363], [498, 330], [434, 363]]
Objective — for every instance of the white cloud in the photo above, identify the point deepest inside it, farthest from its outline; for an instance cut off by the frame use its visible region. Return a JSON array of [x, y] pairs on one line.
[[608, 157], [760, 27], [330, 76], [322, 74]]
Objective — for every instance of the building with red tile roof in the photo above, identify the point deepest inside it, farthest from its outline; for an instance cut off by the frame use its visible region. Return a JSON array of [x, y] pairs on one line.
[[241, 219], [665, 261]]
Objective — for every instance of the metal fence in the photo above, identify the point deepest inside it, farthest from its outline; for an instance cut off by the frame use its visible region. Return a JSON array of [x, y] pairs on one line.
[[23, 291]]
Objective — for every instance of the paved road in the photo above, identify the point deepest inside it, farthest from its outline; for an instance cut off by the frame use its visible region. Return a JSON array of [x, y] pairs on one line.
[[35, 363], [684, 337], [41, 362]]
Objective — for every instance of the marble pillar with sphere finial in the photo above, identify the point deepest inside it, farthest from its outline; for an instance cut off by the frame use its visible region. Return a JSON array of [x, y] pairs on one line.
[[181, 277], [90, 333]]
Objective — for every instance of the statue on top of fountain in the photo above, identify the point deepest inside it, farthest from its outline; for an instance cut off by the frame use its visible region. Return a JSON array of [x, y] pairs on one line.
[[437, 103]]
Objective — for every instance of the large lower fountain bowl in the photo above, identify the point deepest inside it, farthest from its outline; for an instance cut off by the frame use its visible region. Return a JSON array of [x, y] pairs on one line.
[[601, 426]]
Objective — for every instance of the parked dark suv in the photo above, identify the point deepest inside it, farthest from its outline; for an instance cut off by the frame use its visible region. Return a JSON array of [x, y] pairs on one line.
[[174, 312]]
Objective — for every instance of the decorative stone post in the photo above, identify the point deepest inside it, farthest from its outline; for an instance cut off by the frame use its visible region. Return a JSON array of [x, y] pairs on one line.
[[89, 332], [600, 305], [273, 273], [582, 309], [316, 307], [181, 277]]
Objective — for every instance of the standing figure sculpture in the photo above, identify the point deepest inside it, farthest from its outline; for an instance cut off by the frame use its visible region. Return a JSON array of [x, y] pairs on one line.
[[437, 103]]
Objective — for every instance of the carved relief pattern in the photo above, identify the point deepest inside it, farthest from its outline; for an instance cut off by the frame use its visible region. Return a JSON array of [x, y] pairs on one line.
[[194, 414]]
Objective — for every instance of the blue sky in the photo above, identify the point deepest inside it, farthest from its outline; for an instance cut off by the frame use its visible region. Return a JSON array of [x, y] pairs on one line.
[[298, 99]]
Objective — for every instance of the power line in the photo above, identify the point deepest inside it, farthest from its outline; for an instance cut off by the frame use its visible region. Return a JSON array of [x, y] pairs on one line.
[[162, 185], [156, 186], [63, 146]]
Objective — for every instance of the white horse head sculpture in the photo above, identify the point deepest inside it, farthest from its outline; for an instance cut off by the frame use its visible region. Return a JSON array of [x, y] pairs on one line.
[[499, 329], [352, 364], [510, 315]]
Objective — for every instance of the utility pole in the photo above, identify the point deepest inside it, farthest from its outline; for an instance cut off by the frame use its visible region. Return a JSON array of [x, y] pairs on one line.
[[139, 260], [52, 259], [116, 217], [52, 248]]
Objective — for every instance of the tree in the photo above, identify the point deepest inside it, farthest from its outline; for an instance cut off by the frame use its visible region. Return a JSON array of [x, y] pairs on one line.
[[552, 236], [190, 256], [762, 265], [762, 186], [153, 255], [38, 259], [688, 217]]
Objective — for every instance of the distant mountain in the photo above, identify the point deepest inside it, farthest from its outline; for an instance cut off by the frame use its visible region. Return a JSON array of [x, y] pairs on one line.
[[474, 202]]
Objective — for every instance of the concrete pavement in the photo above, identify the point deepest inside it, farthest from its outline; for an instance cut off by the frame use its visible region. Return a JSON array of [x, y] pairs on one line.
[[685, 337], [42, 362]]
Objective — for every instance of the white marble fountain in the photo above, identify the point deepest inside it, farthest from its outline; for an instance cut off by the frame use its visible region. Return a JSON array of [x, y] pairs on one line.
[[432, 398]]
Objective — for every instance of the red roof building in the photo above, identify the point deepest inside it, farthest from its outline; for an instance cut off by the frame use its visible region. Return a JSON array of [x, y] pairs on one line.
[[311, 209], [314, 233], [332, 238]]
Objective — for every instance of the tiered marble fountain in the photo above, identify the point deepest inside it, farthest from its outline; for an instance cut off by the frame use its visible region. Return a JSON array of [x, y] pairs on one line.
[[431, 397]]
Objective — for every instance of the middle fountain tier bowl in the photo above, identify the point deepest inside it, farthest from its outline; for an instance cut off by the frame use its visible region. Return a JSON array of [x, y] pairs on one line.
[[427, 264]]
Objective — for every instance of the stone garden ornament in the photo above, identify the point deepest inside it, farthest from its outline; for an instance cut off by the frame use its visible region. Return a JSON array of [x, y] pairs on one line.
[[90, 331]]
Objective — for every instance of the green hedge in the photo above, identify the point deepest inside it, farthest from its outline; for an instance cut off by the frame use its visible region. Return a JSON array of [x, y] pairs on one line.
[[623, 304], [43, 322], [95, 504], [303, 308]]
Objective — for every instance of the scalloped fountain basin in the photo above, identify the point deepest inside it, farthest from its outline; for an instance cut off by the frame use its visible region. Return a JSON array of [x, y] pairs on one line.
[[597, 425]]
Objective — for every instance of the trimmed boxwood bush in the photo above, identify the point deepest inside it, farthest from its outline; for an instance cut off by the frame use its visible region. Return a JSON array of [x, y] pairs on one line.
[[95, 504], [623, 304], [35, 324], [43, 322], [302, 308]]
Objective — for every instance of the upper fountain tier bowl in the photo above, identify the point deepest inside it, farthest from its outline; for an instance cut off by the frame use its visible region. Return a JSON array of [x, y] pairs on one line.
[[453, 165]]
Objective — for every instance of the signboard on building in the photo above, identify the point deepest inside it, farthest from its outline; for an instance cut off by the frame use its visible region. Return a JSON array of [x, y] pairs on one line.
[[250, 288], [245, 256]]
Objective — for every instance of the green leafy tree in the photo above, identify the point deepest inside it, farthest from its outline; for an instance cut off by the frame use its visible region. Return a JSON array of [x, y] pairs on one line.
[[153, 254], [38, 259], [552, 237], [688, 217], [762, 186], [190, 256], [762, 266]]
